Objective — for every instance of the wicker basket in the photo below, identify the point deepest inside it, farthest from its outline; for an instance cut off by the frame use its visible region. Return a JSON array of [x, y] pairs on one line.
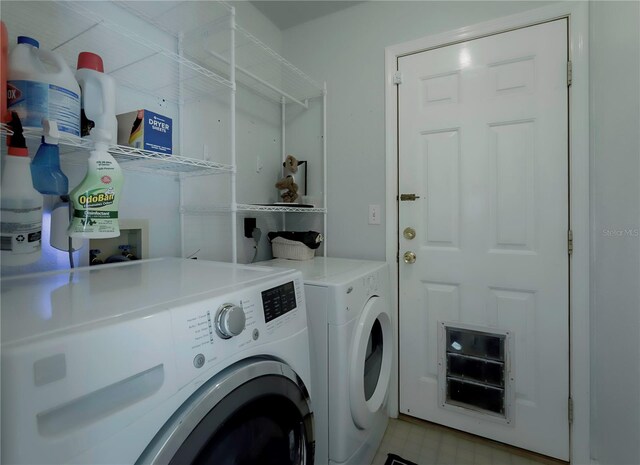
[[293, 250]]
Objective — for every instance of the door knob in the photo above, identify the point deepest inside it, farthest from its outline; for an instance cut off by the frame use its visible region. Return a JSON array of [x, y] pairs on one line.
[[409, 257], [409, 233]]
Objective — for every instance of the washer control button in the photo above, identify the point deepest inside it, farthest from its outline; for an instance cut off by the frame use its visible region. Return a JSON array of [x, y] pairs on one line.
[[198, 361], [256, 334]]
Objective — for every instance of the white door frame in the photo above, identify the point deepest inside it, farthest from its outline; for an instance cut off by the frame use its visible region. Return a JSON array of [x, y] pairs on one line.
[[578, 16]]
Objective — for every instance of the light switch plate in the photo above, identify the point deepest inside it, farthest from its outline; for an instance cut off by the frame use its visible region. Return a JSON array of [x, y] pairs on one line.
[[374, 214]]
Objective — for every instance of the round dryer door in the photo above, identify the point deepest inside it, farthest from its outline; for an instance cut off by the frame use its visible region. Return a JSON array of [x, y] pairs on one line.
[[370, 365], [257, 412]]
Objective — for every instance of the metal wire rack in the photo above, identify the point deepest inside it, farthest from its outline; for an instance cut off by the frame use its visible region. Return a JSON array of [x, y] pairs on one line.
[[74, 150]]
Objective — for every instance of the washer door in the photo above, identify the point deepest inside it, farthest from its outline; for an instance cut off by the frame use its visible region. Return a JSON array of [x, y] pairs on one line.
[[255, 412], [370, 368]]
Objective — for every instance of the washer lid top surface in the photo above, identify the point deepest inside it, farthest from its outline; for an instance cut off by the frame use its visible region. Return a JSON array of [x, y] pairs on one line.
[[47, 304], [328, 271]]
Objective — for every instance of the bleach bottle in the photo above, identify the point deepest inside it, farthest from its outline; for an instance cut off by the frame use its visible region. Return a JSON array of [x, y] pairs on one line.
[[41, 85]]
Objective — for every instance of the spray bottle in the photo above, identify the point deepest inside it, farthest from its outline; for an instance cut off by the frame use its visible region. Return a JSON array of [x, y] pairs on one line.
[[95, 200], [21, 204], [47, 176]]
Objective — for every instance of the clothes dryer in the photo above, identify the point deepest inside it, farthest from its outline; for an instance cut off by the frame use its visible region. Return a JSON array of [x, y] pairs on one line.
[[349, 316], [156, 361]]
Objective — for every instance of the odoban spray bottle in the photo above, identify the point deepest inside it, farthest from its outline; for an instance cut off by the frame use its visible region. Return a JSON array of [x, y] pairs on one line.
[[95, 200]]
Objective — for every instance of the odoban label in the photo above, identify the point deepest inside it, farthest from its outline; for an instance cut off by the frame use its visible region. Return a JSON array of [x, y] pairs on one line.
[[97, 198]]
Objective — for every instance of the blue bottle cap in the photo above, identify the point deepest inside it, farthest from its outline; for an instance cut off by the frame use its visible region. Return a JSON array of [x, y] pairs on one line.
[[28, 40]]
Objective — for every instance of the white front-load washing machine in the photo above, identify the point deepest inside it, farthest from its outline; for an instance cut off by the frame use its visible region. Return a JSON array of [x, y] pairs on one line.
[[156, 361], [349, 316]]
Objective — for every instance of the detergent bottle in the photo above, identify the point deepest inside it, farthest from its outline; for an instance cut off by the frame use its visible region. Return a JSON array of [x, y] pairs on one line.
[[98, 101], [41, 85]]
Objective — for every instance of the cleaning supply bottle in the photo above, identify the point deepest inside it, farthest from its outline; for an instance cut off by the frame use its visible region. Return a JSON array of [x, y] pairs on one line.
[[4, 58], [98, 101], [21, 204], [47, 176], [95, 200], [41, 85]]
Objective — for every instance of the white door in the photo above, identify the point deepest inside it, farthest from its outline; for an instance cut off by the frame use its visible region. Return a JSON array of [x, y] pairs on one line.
[[483, 142]]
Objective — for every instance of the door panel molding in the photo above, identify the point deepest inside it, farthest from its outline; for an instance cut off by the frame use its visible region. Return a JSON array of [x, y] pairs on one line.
[[577, 14]]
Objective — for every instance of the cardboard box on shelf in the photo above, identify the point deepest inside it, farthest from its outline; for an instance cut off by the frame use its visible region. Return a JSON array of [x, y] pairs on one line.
[[144, 129]]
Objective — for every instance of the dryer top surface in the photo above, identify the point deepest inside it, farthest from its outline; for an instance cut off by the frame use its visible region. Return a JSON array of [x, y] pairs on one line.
[[328, 271], [46, 304]]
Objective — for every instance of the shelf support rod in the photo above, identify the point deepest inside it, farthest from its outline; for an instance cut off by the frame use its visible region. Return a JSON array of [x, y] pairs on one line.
[[183, 243], [283, 103], [232, 125], [324, 162], [256, 78]]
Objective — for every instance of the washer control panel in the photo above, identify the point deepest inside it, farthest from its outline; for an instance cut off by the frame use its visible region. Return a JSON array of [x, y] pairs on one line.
[[213, 330]]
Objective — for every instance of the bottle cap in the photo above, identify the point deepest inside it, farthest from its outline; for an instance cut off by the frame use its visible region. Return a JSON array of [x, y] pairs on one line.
[[88, 60], [18, 151], [28, 40]]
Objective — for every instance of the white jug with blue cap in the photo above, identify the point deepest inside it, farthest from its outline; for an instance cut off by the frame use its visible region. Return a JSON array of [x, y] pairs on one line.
[[42, 86]]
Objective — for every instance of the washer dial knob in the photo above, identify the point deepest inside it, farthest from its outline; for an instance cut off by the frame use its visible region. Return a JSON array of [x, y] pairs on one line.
[[229, 321]]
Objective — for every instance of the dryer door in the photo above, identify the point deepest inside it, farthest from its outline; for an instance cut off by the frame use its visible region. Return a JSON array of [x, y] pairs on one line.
[[370, 365], [257, 411]]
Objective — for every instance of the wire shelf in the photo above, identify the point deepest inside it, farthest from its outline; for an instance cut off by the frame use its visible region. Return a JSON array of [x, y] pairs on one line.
[[242, 207], [204, 27], [74, 151], [277, 208]]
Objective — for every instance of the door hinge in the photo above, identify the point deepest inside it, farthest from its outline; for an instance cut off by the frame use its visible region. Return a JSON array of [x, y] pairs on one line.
[[570, 242], [570, 412], [569, 73], [398, 256], [397, 78]]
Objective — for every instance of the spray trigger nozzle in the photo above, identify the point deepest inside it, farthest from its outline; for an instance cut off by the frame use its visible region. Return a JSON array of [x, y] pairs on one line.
[[50, 131]]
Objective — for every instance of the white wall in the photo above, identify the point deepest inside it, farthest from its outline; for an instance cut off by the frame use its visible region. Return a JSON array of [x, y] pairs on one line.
[[615, 268], [346, 49]]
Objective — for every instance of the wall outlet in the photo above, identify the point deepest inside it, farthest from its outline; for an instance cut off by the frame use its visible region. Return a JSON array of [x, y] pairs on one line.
[[374, 214]]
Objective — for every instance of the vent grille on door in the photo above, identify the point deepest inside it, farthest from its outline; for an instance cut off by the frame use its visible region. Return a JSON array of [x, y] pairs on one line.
[[475, 371]]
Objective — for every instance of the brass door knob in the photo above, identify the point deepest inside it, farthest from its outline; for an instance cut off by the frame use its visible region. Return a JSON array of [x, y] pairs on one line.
[[409, 257], [409, 233]]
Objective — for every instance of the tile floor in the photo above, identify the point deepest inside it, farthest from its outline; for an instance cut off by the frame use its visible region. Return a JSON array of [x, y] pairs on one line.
[[429, 444]]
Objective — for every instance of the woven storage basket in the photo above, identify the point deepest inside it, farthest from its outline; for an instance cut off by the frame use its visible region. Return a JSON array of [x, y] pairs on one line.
[[293, 250]]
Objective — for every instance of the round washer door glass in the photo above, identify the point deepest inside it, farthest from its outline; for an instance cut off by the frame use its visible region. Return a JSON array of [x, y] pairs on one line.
[[370, 365], [264, 420]]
